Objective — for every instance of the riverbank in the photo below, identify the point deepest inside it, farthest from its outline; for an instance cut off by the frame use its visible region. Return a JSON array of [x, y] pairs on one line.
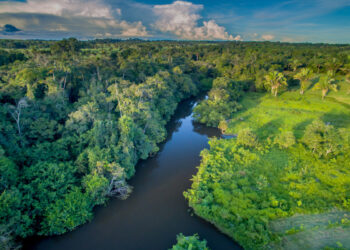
[[283, 182], [156, 211]]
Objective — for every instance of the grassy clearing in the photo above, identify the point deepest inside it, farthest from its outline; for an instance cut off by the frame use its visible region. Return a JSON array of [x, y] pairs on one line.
[[268, 115], [313, 231]]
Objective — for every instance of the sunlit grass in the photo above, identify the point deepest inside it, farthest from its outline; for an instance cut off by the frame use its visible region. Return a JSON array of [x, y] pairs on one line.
[[268, 115]]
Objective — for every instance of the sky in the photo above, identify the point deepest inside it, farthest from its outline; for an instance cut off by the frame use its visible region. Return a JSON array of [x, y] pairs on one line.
[[326, 21]]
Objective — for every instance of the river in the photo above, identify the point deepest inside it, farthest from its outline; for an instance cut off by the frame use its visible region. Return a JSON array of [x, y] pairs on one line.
[[156, 211]]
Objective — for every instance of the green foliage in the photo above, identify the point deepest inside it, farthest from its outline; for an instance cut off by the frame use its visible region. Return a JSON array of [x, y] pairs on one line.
[[96, 186], [189, 243], [285, 139], [12, 218], [326, 83], [275, 80], [242, 190], [304, 76], [247, 138], [67, 213], [248, 189], [9, 173], [221, 103], [324, 140], [77, 116]]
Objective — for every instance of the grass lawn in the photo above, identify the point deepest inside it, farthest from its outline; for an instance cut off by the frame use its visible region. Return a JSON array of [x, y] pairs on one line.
[[268, 115]]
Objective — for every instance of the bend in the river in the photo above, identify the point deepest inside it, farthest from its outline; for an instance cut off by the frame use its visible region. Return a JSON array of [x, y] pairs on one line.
[[156, 210]]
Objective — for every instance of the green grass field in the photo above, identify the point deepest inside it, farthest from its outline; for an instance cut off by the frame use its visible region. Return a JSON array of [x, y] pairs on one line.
[[268, 115]]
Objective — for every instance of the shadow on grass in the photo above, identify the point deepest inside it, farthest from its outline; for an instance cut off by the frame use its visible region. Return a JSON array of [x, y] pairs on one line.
[[270, 129], [345, 105], [300, 128], [312, 83], [248, 101], [338, 120]]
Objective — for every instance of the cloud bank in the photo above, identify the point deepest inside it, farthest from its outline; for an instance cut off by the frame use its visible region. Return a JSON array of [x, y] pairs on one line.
[[81, 18], [89, 8], [54, 19]]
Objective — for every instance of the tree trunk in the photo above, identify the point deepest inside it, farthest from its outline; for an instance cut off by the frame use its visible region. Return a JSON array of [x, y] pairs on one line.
[[65, 81], [98, 73], [19, 125], [324, 93]]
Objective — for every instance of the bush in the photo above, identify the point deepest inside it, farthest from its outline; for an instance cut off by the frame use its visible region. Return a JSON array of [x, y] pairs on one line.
[[285, 139], [189, 243], [247, 138], [324, 140], [67, 213], [223, 126]]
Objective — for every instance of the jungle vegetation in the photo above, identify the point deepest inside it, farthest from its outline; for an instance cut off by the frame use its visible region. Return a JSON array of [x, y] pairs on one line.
[[283, 180], [76, 116]]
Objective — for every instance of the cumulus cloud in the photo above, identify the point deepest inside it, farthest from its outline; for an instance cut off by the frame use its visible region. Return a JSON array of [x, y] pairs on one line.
[[82, 18], [181, 19]]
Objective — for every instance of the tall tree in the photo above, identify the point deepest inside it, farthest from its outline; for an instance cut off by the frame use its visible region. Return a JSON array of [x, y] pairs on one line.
[[325, 84], [304, 76], [275, 80], [16, 112]]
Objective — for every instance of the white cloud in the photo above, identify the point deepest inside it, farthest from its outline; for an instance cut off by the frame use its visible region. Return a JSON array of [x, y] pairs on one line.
[[181, 19], [136, 29], [88, 8], [267, 37], [78, 17]]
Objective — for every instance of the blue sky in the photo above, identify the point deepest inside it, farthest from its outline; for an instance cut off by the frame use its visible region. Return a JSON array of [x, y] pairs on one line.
[[287, 21]]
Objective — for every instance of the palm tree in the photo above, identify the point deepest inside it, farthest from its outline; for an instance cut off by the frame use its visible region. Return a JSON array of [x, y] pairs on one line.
[[294, 64], [347, 77], [325, 83], [304, 75], [275, 80]]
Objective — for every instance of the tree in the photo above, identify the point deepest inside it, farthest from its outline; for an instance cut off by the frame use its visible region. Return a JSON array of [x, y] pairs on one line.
[[275, 80], [247, 138], [295, 64], [8, 173], [189, 243], [223, 126], [304, 75], [324, 140], [326, 83], [16, 112], [285, 139], [67, 213]]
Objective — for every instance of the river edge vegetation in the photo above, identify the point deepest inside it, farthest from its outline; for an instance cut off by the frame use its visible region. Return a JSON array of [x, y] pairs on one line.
[[283, 181], [77, 116], [189, 243]]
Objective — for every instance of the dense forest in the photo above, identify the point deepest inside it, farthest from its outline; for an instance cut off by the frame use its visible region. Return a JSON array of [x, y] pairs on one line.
[[77, 116]]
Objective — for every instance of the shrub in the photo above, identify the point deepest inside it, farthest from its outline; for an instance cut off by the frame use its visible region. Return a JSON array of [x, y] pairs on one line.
[[324, 140], [285, 139], [223, 126], [190, 242], [247, 138]]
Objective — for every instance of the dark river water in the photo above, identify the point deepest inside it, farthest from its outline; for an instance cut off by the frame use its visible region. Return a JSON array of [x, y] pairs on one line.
[[156, 211]]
